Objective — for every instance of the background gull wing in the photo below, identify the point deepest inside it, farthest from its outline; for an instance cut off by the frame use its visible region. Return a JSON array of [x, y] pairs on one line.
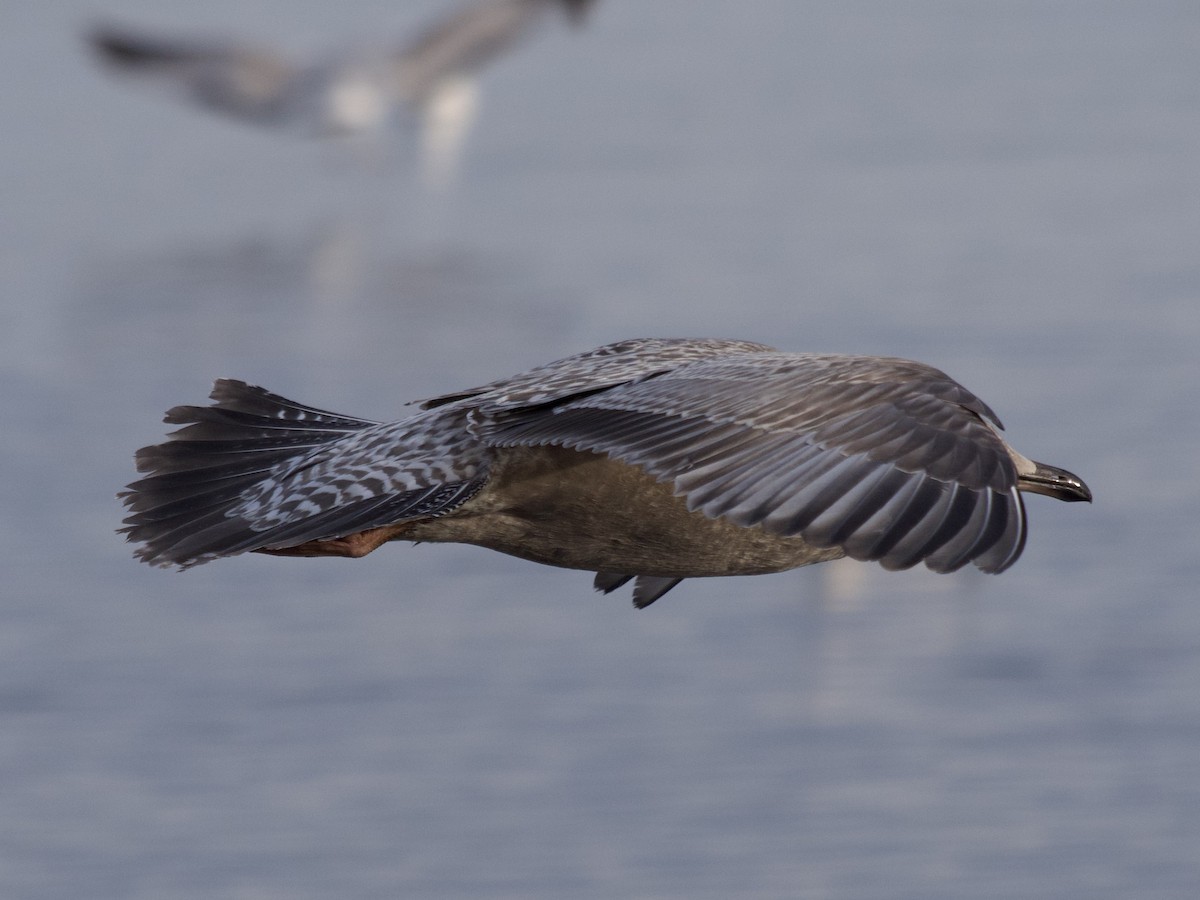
[[435, 74], [888, 459], [239, 81], [464, 43]]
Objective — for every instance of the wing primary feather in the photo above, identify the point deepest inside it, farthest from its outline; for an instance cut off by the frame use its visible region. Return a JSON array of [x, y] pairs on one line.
[[739, 480], [813, 463], [913, 537], [999, 512], [959, 510], [905, 508], [820, 492], [988, 524], [723, 472], [848, 513], [962, 545], [790, 480], [1006, 550]]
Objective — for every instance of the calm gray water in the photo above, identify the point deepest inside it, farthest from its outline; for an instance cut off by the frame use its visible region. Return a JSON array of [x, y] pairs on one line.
[[1010, 191]]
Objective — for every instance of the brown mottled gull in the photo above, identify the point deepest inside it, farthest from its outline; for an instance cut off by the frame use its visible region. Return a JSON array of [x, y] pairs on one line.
[[652, 459]]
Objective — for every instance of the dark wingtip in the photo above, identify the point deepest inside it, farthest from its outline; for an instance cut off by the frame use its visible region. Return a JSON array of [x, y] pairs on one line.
[[128, 49], [115, 46], [577, 10], [1055, 482]]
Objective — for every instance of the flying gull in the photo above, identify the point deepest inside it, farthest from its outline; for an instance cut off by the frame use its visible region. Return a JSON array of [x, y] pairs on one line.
[[651, 460], [348, 93]]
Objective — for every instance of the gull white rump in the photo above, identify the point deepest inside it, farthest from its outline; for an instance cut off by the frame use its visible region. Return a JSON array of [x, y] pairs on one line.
[[649, 459]]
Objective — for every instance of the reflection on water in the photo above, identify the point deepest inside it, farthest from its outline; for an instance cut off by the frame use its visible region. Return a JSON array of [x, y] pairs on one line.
[[1010, 195]]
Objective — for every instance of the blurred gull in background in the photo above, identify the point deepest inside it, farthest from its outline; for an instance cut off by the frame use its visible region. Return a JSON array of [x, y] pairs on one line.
[[349, 93]]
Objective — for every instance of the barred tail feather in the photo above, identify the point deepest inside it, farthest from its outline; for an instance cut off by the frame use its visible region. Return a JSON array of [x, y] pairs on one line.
[[177, 512]]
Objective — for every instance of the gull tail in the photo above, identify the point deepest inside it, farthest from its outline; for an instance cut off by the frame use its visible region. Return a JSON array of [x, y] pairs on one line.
[[179, 510]]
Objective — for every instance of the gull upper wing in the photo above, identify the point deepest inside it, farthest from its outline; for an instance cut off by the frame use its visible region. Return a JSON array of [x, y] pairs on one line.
[[230, 78], [888, 459]]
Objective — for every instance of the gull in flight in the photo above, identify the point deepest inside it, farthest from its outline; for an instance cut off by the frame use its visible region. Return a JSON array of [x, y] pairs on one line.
[[350, 93], [650, 460]]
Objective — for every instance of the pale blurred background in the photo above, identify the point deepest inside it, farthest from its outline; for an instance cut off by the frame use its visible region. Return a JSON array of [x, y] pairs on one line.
[[1010, 191]]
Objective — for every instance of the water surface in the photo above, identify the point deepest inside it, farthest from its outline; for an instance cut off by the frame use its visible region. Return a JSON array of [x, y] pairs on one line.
[[1008, 191]]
